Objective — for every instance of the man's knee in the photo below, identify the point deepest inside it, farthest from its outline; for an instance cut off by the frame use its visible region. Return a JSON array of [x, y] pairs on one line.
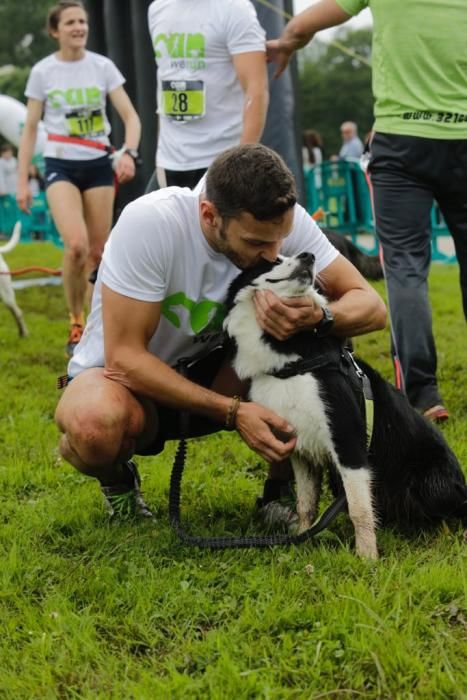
[[96, 435]]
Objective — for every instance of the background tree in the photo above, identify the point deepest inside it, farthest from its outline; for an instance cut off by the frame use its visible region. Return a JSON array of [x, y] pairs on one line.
[[23, 41], [13, 82], [335, 88], [23, 36]]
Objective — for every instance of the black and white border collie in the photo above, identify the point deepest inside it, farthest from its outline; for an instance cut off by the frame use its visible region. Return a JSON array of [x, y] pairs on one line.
[[407, 475]]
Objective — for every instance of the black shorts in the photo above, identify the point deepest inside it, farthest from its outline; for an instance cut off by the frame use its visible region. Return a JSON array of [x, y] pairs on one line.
[[83, 174], [179, 178], [202, 372]]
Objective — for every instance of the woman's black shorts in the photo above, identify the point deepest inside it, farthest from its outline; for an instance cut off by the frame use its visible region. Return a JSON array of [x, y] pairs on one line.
[[83, 174]]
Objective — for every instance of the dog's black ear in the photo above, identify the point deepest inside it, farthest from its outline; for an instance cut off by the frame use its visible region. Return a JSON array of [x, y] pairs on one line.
[[246, 279]]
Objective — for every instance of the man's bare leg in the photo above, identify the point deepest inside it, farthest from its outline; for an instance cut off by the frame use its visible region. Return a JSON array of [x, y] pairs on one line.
[[102, 424]]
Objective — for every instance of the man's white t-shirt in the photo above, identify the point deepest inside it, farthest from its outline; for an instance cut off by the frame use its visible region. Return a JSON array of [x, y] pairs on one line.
[[74, 95], [200, 100], [157, 252]]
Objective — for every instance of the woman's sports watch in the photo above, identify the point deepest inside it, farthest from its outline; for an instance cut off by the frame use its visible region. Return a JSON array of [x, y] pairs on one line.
[[324, 326], [133, 153]]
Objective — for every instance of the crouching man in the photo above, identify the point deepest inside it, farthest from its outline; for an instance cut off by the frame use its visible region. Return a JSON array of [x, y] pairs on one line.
[[159, 297]]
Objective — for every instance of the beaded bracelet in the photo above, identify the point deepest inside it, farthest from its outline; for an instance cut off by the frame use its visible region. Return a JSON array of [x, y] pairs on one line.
[[232, 413]]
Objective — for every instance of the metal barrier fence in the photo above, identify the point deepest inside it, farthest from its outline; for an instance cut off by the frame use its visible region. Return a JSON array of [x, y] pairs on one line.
[[38, 225], [340, 190]]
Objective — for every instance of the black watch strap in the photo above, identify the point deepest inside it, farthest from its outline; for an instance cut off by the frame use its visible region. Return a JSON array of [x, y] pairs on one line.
[[133, 153], [324, 326]]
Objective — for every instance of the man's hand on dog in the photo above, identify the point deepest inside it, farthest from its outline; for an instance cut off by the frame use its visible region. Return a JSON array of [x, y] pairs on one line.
[[282, 318], [265, 432]]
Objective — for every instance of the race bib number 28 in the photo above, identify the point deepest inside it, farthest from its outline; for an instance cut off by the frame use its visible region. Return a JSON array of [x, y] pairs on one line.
[[183, 100]]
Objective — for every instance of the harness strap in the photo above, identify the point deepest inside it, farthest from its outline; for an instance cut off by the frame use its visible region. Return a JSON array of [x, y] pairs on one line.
[[305, 365], [368, 403], [369, 410], [77, 140]]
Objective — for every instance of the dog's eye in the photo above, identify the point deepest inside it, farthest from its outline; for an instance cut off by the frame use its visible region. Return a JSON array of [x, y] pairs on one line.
[[278, 279]]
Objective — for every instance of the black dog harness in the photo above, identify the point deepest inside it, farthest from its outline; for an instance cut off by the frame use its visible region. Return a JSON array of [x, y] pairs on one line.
[[343, 362]]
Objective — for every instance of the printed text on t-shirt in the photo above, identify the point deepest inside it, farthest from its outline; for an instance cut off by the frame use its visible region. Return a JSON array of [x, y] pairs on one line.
[[445, 117]]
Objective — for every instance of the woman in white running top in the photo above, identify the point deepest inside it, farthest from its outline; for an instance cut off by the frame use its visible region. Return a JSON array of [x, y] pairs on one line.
[[68, 89]]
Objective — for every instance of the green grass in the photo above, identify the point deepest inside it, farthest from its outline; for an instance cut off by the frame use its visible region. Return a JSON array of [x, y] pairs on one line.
[[93, 610]]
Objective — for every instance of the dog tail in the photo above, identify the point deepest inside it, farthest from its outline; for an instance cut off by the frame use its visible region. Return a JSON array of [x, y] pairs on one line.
[[438, 502], [13, 240], [461, 511], [368, 265]]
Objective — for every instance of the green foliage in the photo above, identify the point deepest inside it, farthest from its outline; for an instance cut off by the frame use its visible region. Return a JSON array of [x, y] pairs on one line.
[[23, 37], [97, 610], [335, 88], [14, 83]]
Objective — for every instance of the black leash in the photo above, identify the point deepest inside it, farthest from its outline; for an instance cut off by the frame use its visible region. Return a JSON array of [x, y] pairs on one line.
[[338, 506]]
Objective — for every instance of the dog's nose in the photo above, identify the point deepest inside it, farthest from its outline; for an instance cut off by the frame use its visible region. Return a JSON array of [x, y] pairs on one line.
[[307, 258]]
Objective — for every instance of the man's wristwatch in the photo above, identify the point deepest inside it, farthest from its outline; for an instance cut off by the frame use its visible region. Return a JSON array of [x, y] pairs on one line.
[[133, 153], [324, 326]]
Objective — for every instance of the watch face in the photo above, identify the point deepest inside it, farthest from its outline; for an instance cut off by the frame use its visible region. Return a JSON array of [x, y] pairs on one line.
[[327, 317]]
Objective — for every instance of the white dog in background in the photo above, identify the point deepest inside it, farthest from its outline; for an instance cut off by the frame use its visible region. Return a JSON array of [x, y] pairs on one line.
[[7, 294]]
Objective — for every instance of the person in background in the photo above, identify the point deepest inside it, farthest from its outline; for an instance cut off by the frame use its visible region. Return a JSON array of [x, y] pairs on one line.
[[212, 84], [352, 147], [312, 151], [8, 170], [312, 155], [35, 180], [418, 154], [70, 88]]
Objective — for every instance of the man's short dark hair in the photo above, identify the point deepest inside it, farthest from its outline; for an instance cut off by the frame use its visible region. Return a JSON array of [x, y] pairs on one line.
[[250, 178]]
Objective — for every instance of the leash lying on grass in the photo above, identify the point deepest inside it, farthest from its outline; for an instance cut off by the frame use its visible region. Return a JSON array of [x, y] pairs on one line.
[[245, 542]]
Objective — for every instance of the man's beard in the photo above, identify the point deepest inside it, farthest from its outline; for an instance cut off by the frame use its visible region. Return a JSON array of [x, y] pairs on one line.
[[226, 249]]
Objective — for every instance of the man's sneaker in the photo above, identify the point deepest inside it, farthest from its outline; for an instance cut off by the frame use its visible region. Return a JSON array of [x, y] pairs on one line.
[[124, 503], [76, 331], [277, 507]]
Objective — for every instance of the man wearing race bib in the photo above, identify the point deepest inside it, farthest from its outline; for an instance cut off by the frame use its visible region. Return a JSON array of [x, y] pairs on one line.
[[70, 88], [212, 90], [418, 153]]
